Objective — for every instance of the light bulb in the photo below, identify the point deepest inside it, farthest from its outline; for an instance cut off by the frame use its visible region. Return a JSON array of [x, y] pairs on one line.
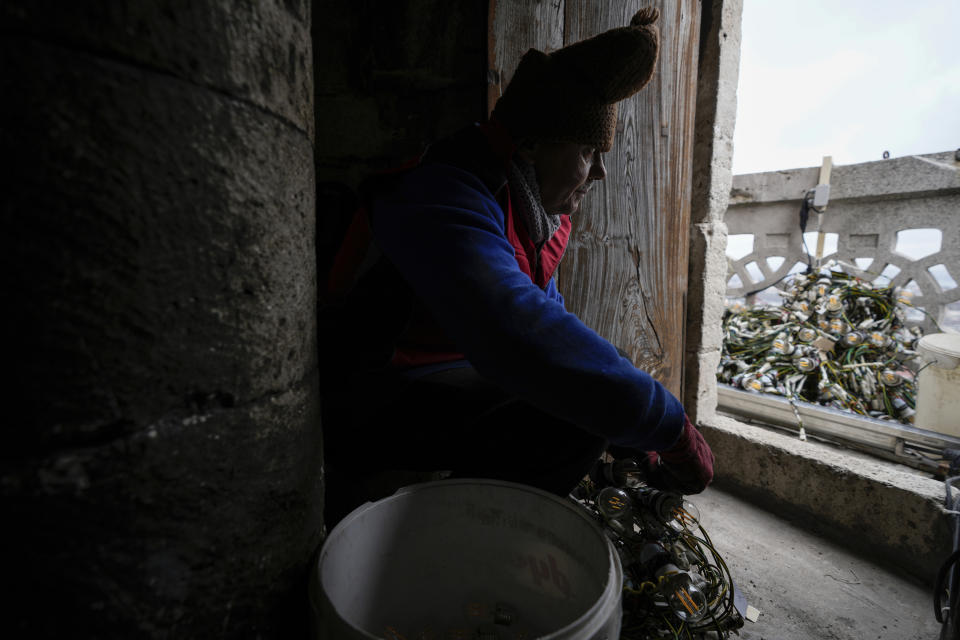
[[890, 378], [685, 516], [687, 601], [781, 344], [852, 339], [614, 504], [807, 363], [834, 303], [879, 339], [691, 512], [837, 325]]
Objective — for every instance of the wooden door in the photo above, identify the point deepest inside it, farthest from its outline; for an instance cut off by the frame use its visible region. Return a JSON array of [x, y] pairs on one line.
[[625, 270]]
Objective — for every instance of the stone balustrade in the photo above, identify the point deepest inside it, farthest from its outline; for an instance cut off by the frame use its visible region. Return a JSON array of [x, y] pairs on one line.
[[893, 221]]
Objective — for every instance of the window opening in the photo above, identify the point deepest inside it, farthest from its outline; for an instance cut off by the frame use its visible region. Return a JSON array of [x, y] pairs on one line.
[[829, 243], [918, 243], [886, 276], [942, 277], [739, 245], [775, 262]]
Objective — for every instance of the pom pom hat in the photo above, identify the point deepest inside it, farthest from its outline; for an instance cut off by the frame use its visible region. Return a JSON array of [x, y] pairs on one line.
[[571, 95]]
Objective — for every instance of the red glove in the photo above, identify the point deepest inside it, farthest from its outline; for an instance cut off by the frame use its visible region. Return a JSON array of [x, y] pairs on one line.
[[687, 467]]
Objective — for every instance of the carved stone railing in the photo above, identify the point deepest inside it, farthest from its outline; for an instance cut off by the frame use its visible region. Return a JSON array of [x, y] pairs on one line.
[[894, 221]]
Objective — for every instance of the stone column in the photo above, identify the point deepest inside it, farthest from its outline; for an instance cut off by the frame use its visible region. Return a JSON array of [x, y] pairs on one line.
[[161, 460], [719, 69]]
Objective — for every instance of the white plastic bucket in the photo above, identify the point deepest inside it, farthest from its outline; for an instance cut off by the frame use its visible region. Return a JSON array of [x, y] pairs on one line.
[[938, 386], [454, 559]]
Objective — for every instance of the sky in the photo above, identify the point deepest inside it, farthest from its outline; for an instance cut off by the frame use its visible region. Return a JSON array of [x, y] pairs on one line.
[[846, 78]]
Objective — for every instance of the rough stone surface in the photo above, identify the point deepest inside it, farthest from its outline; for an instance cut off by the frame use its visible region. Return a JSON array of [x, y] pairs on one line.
[[719, 62], [881, 510], [200, 526], [710, 240], [163, 246], [257, 52], [162, 462], [719, 69], [807, 587], [908, 176], [705, 312]]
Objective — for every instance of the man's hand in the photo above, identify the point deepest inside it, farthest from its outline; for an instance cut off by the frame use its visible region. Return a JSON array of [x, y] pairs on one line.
[[686, 468]]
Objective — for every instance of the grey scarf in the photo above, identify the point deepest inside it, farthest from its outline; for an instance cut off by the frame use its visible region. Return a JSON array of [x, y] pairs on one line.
[[525, 197]]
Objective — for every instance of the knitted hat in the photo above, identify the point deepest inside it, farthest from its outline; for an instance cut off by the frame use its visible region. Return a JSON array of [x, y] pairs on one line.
[[571, 95]]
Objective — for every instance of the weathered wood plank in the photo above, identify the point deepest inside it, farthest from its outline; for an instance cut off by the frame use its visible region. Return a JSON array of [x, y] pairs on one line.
[[625, 270], [515, 27]]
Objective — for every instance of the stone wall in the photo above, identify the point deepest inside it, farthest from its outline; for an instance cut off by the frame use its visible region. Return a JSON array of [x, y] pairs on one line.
[[712, 159], [161, 465]]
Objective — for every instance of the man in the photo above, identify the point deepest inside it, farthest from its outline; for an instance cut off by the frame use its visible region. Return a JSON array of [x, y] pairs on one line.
[[452, 349]]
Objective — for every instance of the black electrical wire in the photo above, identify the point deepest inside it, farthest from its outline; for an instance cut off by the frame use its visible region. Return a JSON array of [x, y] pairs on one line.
[[940, 588], [804, 217], [646, 614]]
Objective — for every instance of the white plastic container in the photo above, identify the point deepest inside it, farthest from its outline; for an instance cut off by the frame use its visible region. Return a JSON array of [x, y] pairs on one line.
[[938, 386], [457, 558]]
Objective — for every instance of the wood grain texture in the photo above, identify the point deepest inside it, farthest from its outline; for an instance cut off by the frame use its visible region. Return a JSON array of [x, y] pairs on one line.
[[514, 27], [625, 271]]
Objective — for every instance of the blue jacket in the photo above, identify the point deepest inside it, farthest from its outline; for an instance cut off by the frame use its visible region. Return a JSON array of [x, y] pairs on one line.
[[443, 229]]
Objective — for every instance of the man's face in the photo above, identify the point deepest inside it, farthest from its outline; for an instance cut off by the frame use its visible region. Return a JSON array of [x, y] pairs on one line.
[[565, 171]]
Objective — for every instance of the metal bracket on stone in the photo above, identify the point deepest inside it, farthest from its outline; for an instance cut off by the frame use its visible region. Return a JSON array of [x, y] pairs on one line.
[[821, 194]]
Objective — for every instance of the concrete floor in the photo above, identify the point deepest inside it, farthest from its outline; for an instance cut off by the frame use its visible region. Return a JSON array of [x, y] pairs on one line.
[[806, 587]]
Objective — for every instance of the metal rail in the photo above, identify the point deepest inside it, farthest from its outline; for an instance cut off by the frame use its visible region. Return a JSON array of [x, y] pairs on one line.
[[883, 435]]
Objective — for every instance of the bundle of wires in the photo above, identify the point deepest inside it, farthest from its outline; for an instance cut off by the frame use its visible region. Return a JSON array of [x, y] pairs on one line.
[[836, 341], [676, 585]]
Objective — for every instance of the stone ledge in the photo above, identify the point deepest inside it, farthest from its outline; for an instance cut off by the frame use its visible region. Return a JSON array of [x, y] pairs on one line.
[[879, 509], [905, 177]]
